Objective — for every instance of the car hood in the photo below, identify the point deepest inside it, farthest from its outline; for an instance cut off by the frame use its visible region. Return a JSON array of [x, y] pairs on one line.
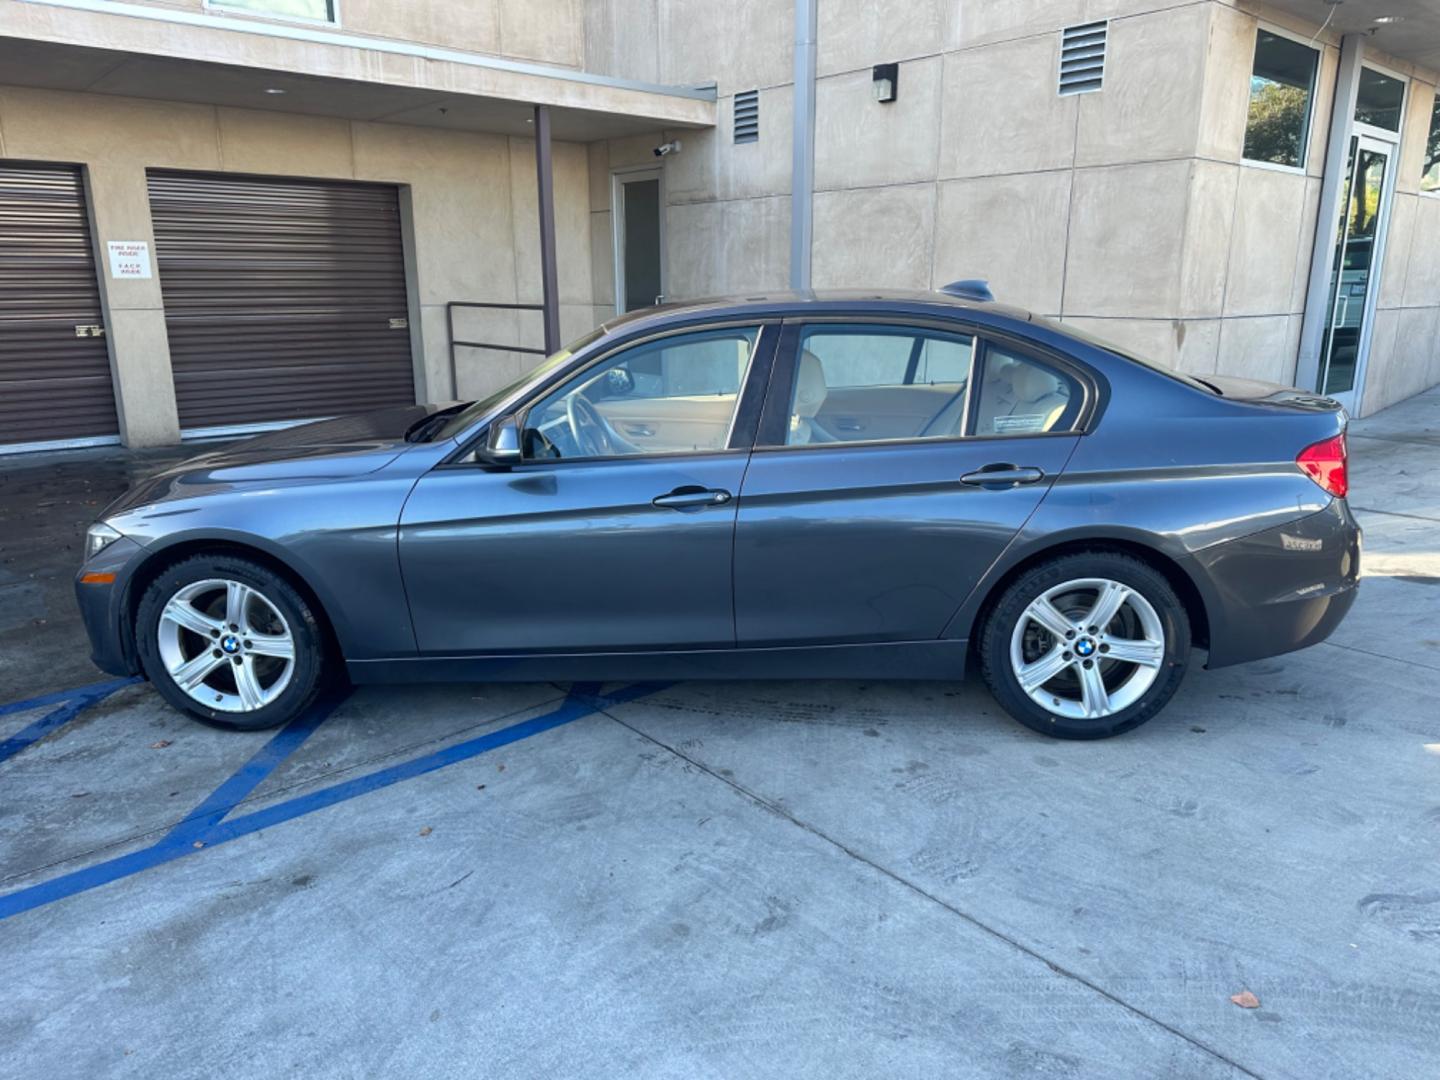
[[345, 446]]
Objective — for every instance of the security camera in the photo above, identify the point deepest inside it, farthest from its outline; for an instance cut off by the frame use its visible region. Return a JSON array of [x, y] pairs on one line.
[[671, 147]]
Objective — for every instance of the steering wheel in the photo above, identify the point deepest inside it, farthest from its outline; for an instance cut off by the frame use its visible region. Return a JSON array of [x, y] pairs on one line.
[[587, 426]]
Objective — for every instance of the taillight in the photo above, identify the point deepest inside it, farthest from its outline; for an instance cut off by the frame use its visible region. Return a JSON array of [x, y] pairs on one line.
[[1324, 462]]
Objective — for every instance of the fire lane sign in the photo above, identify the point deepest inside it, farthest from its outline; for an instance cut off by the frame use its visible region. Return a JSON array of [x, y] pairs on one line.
[[129, 258]]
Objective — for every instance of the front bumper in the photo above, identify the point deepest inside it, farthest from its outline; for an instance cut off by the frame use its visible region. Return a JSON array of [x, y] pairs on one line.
[[102, 604], [1282, 589]]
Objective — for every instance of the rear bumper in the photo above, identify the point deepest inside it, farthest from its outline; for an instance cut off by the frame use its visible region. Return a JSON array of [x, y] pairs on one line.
[[101, 606], [1282, 589]]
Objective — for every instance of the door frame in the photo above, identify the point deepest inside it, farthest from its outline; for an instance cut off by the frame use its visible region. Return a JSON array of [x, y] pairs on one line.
[[618, 179], [1387, 143]]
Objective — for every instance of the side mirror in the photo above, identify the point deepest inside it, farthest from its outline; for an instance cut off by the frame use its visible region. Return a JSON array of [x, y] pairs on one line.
[[502, 442]]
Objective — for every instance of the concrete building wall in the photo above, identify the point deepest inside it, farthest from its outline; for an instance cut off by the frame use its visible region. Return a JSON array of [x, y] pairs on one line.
[[1128, 212], [728, 204], [549, 31], [470, 209]]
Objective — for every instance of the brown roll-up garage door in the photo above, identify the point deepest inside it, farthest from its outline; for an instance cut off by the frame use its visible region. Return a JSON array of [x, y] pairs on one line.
[[54, 384], [284, 299]]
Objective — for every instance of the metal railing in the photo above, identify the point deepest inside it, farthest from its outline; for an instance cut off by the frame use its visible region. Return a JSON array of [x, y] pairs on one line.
[[454, 344]]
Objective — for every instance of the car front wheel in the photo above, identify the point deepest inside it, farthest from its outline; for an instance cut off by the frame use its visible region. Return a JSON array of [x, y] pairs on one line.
[[230, 642], [1085, 646]]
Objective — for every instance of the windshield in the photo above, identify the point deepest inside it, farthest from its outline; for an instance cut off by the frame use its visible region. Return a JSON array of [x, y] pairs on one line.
[[1070, 330], [467, 415]]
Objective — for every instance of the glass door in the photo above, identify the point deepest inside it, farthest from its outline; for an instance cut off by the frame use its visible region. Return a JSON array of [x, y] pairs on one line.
[[639, 240], [1355, 269]]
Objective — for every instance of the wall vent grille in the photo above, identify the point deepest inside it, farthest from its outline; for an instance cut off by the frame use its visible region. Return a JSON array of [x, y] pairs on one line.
[[1082, 57], [747, 116]]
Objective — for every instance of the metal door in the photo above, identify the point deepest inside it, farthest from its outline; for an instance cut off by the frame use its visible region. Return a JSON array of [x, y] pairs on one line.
[[1355, 269], [876, 541], [284, 299], [639, 214], [55, 386]]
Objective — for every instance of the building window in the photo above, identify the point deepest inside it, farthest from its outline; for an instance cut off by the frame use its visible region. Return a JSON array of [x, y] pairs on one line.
[[1282, 85], [1430, 180], [1379, 100], [311, 10]]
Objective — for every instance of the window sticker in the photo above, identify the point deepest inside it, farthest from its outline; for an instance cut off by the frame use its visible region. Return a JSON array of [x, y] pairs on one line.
[[1022, 422]]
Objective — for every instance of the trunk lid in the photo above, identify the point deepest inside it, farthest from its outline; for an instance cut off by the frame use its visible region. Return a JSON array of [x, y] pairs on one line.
[[1234, 388]]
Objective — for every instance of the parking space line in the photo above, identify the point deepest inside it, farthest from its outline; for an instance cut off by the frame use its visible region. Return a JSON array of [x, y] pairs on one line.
[[578, 704], [583, 700], [75, 702], [253, 773], [66, 695]]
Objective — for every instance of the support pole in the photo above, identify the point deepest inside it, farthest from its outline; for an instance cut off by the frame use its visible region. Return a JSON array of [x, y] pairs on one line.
[[1318, 298], [545, 197], [802, 168]]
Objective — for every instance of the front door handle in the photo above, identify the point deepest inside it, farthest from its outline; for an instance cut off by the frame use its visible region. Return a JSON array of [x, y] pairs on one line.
[[1002, 475], [692, 498]]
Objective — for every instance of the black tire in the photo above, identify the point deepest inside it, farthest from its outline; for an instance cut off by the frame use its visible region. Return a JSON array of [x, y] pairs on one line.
[[1000, 624], [311, 667]]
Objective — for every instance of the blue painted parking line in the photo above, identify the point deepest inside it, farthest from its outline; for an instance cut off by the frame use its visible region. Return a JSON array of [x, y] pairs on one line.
[[66, 695], [253, 773], [583, 700], [578, 704], [75, 702]]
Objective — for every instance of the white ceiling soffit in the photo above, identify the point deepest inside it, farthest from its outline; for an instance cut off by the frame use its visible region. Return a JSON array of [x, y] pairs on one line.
[[1405, 29], [496, 95]]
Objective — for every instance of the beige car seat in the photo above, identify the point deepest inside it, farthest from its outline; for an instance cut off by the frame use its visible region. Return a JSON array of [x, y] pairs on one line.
[[1019, 397], [810, 395]]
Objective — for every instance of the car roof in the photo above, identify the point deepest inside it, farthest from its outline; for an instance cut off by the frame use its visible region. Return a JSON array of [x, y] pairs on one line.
[[859, 301]]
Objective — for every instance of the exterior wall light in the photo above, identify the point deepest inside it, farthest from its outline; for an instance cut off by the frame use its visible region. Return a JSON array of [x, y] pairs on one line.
[[886, 85]]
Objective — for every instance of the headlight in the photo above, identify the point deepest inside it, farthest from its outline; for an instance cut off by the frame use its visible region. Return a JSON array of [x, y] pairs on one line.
[[97, 538]]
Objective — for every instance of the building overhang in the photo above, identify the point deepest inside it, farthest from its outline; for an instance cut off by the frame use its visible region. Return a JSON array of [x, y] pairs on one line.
[[1407, 30], [164, 54]]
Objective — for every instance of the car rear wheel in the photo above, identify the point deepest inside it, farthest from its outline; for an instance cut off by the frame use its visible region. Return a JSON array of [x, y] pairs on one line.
[[230, 642], [1086, 646]]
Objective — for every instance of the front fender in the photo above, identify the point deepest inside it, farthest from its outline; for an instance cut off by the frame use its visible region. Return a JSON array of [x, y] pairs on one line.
[[339, 538]]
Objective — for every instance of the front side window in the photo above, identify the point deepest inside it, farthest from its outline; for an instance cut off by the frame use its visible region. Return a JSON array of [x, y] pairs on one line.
[[1379, 99], [1019, 396], [865, 383], [1430, 180], [314, 10], [672, 395], [1282, 84]]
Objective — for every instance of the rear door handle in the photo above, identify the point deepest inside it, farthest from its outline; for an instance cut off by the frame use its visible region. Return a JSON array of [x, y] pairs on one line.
[[1003, 475], [692, 498]]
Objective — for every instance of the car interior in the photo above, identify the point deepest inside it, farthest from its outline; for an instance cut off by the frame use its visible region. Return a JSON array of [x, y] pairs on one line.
[[833, 403], [852, 384], [670, 396]]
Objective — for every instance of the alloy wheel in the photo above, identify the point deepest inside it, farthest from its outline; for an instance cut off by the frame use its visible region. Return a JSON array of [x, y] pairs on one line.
[[1087, 648], [225, 644]]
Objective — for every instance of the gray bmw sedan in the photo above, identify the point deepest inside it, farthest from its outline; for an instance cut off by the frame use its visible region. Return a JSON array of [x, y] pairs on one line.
[[861, 485]]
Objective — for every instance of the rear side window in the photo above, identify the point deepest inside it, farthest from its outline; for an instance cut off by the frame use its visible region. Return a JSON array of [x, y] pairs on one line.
[[868, 383], [1021, 396]]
